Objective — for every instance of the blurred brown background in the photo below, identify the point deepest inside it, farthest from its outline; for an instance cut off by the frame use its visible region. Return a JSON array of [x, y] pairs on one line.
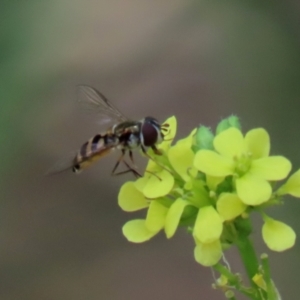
[[60, 237]]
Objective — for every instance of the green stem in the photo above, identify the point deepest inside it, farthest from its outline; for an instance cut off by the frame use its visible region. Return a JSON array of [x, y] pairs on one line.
[[248, 256], [271, 290], [250, 262], [225, 272]]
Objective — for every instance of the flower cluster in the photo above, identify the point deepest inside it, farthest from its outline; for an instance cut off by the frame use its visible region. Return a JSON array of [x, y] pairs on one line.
[[210, 184]]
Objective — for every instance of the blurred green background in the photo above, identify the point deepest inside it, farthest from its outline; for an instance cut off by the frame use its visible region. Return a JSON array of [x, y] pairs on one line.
[[60, 237]]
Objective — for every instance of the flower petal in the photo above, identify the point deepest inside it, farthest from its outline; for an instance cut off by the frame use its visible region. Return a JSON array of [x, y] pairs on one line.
[[188, 141], [230, 206], [213, 164], [136, 231], [292, 186], [156, 216], [159, 185], [152, 166], [253, 190], [173, 216], [131, 199], [172, 122], [271, 168], [208, 226], [181, 158], [140, 183], [208, 254], [277, 235], [230, 142], [258, 142]]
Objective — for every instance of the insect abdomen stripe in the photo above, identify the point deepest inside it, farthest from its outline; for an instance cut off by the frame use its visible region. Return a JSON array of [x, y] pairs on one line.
[[95, 141]]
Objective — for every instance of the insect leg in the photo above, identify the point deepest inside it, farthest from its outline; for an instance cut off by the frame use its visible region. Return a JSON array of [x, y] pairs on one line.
[[130, 169], [152, 173], [134, 172], [156, 151], [131, 158], [118, 162]]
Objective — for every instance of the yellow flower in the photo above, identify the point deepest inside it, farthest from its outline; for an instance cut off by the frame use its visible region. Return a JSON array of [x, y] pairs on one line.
[[235, 175], [247, 159]]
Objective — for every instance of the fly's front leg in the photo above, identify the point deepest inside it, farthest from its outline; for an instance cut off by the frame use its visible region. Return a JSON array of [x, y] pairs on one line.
[[156, 151]]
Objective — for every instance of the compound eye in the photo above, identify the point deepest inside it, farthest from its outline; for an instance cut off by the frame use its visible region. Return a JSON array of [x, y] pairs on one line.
[[150, 134]]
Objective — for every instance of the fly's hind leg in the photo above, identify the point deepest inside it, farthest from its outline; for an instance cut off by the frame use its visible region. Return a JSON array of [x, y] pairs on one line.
[[130, 169]]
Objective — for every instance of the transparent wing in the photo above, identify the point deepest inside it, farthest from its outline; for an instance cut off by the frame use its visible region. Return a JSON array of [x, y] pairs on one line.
[[64, 164], [94, 101]]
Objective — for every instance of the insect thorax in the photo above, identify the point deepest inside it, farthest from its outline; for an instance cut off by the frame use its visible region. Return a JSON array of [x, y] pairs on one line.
[[128, 134]]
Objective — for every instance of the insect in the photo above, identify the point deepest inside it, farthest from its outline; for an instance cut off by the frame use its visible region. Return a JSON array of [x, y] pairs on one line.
[[125, 135]]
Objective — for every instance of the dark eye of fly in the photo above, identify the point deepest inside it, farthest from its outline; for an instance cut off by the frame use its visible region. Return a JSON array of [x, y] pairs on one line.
[[149, 133]]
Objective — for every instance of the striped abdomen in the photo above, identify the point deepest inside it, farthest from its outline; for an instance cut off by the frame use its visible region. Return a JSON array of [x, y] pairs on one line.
[[95, 148]]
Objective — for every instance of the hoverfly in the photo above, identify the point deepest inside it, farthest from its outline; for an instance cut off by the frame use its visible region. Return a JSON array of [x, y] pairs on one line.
[[125, 135]]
